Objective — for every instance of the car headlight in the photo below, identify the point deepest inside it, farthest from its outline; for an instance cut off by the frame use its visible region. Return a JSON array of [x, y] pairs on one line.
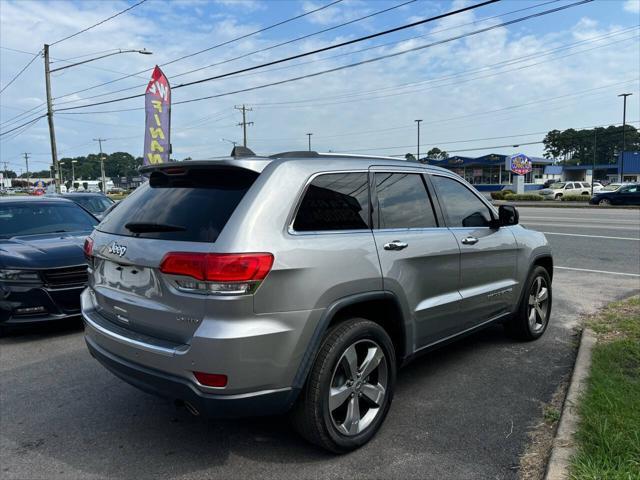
[[25, 276]]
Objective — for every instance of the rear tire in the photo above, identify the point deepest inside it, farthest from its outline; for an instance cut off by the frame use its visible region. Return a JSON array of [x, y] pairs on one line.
[[349, 389], [532, 317]]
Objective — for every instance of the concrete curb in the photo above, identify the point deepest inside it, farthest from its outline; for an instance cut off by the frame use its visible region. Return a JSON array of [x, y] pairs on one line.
[[563, 444]]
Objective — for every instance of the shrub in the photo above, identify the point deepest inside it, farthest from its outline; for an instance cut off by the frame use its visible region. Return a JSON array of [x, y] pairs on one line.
[[533, 197], [576, 198], [501, 194]]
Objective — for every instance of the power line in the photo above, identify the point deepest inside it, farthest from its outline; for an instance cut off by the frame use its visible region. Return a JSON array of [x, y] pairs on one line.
[[271, 47], [310, 12], [312, 52], [6, 132], [20, 72], [98, 24], [363, 62], [483, 139], [368, 95], [463, 73]]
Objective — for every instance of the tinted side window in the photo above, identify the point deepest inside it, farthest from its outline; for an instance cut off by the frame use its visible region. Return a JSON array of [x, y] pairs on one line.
[[462, 207], [336, 201], [403, 201]]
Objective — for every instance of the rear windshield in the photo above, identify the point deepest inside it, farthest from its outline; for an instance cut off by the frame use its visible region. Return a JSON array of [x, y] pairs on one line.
[[32, 218], [192, 204], [93, 204]]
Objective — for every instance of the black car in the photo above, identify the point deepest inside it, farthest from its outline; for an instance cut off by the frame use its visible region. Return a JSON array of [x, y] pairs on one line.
[[625, 194], [42, 265], [96, 203]]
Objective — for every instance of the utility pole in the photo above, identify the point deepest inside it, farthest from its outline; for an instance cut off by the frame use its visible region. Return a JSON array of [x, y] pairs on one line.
[[104, 183], [309, 135], [418, 149], [73, 172], [52, 131], [624, 131], [593, 169], [244, 122], [26, 160]]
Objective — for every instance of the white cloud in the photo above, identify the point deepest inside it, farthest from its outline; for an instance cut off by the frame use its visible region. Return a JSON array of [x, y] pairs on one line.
[[632, 6], [452, 107]]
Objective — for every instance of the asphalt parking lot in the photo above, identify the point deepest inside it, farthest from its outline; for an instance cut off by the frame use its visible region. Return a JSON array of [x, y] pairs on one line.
[[463, 411]]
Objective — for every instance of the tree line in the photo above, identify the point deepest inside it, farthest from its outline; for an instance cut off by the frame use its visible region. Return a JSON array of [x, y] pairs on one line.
[[569, 146]]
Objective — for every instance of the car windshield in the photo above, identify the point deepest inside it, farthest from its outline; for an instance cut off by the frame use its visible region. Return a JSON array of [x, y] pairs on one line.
[[38, 218], [95, 204], [612, 187], [557, 185]]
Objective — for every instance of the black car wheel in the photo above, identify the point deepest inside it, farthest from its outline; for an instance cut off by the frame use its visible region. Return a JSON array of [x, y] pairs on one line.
[[604, 201], [349, 389], [532, 317]]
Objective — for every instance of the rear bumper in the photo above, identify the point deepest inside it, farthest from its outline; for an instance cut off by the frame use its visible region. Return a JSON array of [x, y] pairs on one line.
[[269, 402]]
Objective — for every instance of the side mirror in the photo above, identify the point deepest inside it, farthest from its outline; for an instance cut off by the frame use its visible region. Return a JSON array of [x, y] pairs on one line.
[[508, 215]]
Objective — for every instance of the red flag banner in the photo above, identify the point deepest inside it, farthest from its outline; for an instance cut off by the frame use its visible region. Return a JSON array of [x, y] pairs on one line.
[[157, 144]]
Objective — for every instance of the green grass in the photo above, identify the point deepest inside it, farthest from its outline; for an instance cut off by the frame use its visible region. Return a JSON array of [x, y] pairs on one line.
[[532, 197], [551, 414], [609, 433], [117, 196], [576, 198]]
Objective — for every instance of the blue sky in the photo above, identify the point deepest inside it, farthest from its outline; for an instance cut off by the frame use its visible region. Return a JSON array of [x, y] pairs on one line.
[[502, 87]]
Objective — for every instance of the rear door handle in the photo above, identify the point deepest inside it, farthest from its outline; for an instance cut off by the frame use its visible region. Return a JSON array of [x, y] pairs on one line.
[[469, 240], [395, 245]]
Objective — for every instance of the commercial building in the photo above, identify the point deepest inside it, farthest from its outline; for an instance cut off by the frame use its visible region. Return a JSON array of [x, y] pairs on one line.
[[488, 171], [628, 163]]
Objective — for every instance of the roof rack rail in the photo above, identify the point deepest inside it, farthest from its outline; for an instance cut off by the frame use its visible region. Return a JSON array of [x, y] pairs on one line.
[[240, 151], [357, 155], [296, 154]]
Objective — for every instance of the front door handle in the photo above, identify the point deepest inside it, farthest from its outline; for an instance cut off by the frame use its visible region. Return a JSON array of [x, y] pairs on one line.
[[469, 240], [395, 245]]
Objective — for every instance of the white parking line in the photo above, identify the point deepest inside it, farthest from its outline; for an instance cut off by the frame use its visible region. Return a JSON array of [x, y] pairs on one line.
[[523, 219], [598, 271], [591, 236], [575, 225]]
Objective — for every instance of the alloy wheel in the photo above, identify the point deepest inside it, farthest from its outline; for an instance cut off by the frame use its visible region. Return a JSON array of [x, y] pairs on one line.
[[538, 308], [358, 387]]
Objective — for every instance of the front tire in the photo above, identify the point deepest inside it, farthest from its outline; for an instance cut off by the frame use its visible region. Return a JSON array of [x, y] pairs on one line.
[[350, 387], [532, 318], [604, 202]]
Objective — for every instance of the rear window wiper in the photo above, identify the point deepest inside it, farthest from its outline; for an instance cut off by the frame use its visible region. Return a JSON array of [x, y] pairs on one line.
[[142, 227]]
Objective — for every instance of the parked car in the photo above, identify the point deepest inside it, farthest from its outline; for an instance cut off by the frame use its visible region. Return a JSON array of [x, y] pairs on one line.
[[618, 194], [559, 189], [301, 282], [42, 266], [96, 203]]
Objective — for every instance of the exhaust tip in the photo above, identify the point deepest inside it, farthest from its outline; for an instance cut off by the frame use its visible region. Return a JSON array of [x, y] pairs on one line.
[[190, 408]]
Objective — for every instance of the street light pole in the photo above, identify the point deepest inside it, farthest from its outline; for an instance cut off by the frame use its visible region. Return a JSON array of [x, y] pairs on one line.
[[47, 79], [73, 172], [309, 135], [104, 183], [418, 144], [624, 131]]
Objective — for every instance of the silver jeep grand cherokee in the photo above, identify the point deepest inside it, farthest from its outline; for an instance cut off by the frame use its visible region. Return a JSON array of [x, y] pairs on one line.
[[301, 282]]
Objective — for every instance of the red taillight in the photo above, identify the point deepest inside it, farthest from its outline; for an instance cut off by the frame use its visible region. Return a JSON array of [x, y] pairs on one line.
[[211, 379], [88, 247], [218, 267]]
